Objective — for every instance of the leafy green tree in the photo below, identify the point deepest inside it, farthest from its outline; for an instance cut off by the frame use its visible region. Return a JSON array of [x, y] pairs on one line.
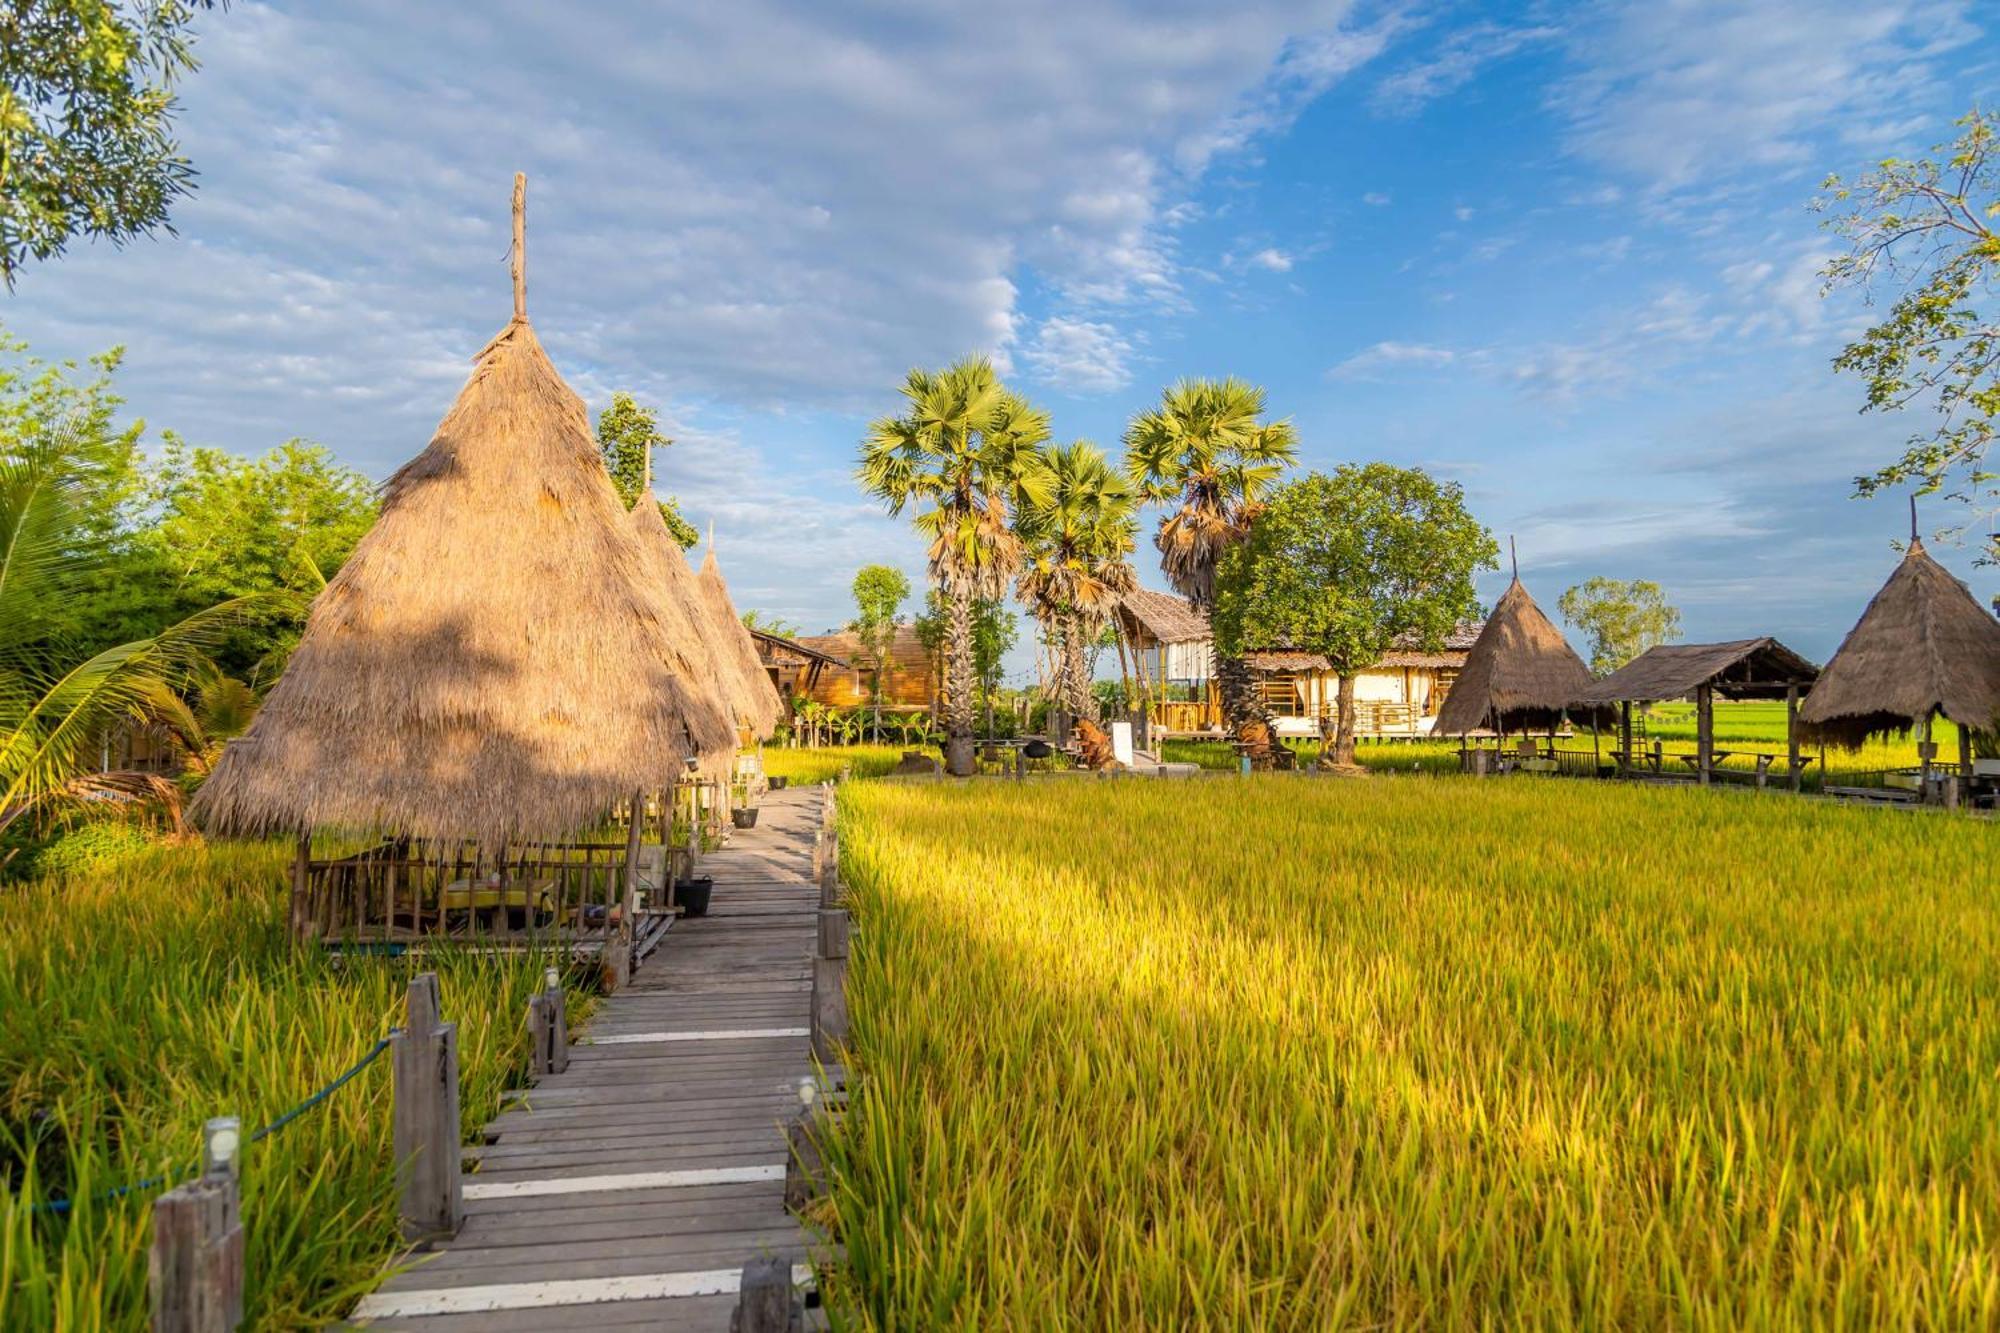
[[1622, 617], [1207, 451], [57, 706], [1925, 230], [879, 594], [771, 625], [225, 527], [86, 112], [964, 455], [993, 634], [1078, 541], [1348, 564], [627, 435]]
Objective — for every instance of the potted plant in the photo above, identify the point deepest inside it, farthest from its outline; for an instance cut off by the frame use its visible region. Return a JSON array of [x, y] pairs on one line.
[[779, 783], [693, 895], [741, 812]]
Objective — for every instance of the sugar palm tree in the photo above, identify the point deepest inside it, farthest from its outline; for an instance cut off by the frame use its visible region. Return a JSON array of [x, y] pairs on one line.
[[1207, 451], [1078, 541], [55, 710], [963, 454]]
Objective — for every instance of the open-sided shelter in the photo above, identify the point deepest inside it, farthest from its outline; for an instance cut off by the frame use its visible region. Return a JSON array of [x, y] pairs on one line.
[[1739, 669], [486, 678], [1924, 648]]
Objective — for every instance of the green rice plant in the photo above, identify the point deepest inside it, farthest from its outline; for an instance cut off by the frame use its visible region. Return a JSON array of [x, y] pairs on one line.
[[142, 999], [805, 765], [1289, 1053]]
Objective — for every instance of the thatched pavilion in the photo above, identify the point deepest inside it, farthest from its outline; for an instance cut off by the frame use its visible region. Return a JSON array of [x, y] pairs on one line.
[[1521, 674], [1738, 669], [1924, 648], [754, 696], [491, 668]]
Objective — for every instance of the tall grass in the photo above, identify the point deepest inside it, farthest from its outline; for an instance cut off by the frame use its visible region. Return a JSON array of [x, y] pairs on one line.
[[1295, 1054], [142, 999], [804, 765]]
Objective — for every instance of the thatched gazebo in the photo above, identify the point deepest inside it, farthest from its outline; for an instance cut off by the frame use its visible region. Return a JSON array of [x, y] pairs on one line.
[[1759, 668], [1521, 675], [487, 677], [1924, 648], [752, 694], [698, 655]]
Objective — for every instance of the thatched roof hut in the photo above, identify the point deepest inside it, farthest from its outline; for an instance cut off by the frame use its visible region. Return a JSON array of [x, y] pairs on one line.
[[491, 662], [1924, 646], [1736, 669], [701, 658], [754, 697], [1519, 674]]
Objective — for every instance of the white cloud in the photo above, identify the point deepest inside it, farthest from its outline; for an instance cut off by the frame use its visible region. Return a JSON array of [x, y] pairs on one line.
[[1385, 358], [1454, 63], [1462, 213], [1079, 355], [1674, 93], [1376, 199]]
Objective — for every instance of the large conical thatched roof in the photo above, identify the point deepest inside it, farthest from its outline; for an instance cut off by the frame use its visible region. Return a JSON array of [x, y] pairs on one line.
[[1520, 673], [757, 703], [491, 662], [1923, 646]]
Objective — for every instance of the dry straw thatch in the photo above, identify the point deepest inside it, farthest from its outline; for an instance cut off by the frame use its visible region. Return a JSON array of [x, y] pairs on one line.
[[1520, 673], [1923, 646], [703, 660], [491, 662], [755, 698], [1737, 669]]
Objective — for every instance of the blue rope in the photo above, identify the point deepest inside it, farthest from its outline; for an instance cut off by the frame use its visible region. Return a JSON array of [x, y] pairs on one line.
[[152, 1182]]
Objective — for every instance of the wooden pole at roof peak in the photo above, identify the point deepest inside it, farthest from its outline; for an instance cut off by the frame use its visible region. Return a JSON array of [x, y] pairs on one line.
[[520, 264]]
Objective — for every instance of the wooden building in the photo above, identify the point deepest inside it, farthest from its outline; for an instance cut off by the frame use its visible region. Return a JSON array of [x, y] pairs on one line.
[[1168, 657], [843, 674]]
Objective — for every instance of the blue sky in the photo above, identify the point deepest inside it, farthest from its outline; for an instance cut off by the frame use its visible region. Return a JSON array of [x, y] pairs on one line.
[[1560, 253]]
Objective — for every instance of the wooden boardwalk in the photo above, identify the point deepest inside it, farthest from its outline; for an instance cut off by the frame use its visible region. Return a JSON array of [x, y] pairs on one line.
[[630, 1190]]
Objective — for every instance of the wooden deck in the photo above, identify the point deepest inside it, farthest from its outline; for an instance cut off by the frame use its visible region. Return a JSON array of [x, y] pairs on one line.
[[630, 1190]]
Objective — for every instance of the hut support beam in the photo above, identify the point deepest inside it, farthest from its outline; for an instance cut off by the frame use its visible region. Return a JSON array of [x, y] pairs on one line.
[[1625, 735], [1792, 734], [1704, 730]]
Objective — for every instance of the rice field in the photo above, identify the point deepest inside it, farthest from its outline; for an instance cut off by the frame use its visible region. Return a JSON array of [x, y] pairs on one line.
[[143, 996], [1300, 1053], [805, 765]]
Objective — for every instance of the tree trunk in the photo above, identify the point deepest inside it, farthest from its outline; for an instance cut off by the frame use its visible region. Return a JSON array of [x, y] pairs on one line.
[[1241, 705], [1075, 681], [1343, 727], [958, 698]]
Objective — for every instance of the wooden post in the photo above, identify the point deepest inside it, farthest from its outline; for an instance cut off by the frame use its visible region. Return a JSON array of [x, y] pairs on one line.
[[805, 1165], [1704, 730], [829, 1008], [1792, 733], [764, 1302], [833, 932], [424, 1056], [618, 948], [195, 1269], [829, 872], [548, 1027], [1630, 761], [520, 256]]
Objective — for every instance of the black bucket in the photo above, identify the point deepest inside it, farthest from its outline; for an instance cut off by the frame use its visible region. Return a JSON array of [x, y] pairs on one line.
[[693, 894]]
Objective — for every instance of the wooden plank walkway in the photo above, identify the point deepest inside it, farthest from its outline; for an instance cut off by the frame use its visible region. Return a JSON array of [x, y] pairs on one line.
[[631, 1189]]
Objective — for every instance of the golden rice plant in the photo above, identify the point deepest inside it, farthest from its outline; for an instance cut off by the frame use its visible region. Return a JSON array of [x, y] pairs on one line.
[[1296, 1053]]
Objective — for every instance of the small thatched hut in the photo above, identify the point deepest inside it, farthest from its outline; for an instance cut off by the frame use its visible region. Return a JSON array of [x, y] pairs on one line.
[[704, 660], [492, 662], [755, 698], [1520, 675], [1924, 648]]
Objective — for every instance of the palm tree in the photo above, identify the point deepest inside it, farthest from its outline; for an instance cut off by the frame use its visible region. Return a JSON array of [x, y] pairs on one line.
[[1078, 542], [1207, 451], [964, 453], [55, 712]]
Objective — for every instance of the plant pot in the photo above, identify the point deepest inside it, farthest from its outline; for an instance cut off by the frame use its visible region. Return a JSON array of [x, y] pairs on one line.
[[779, 784], [744, 817], [693, 894]]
